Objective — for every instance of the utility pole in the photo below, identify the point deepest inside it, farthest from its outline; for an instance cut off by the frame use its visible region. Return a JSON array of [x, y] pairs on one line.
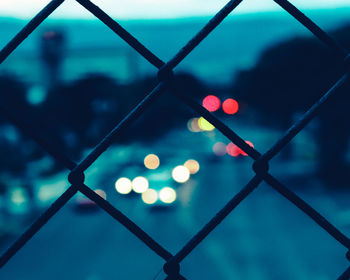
[[52, 54]]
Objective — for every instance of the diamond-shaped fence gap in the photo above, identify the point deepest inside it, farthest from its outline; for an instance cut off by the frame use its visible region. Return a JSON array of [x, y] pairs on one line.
[[127, 161], [87, 242], [185, 223]]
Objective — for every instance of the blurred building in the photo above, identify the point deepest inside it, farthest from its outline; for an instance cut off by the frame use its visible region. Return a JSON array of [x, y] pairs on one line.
[[56, 61]]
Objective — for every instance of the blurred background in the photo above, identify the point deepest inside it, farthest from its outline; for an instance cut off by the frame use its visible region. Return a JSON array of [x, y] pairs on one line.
[[73, 80]]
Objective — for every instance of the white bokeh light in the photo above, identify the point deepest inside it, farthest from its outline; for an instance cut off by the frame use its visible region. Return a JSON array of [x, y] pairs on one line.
[[180, 174], [150, 196], [167, 195], [123, 185], [140, 184]]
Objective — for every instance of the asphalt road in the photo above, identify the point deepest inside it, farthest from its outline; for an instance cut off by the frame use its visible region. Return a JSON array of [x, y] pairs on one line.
[[264, 238]]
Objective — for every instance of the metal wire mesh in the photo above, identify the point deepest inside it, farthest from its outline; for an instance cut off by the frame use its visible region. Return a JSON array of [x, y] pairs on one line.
[[165, 77]]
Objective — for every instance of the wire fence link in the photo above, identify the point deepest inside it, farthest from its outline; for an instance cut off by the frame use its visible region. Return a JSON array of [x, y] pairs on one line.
[[165, 77]]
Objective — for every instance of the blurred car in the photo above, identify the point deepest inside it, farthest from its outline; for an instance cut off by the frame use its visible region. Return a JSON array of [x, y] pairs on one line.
[[124, 183], [85, 204], [161, 192]]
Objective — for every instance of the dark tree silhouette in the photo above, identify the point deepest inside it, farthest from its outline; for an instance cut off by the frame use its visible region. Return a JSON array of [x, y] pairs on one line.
[[167, 112], [78, 115], [289, 78], [15, 148], [13, 104], [74, 116]]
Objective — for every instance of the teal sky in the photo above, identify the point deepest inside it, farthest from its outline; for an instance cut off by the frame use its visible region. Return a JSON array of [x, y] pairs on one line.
[[131, 9]]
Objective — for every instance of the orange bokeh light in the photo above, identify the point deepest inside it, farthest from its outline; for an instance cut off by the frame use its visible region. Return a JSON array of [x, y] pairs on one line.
[[151, 161]]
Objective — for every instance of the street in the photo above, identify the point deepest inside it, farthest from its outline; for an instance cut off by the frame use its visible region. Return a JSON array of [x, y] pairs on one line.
[[264, 238]]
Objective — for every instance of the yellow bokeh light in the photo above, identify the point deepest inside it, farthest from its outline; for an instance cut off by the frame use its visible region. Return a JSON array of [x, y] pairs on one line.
[[205, 125], [151, 161], [150, 196], [167, 195], [180, 174], [192, 165], [123, 185], [140, 184]]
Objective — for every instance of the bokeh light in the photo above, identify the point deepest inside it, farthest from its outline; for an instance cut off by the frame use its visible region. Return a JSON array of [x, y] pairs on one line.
[[167, 195], [101, 193], [140, 184], [150, 196], [193, 126], [180, 174], [123, 185], [233, 150], [250, 144], [18, 196], [151, 161], [212, 103], [205, 125], [219, 149], [230, 106], [192, 166]]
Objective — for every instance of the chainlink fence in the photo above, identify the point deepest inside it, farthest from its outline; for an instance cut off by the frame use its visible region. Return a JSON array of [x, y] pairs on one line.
[[166, 78]]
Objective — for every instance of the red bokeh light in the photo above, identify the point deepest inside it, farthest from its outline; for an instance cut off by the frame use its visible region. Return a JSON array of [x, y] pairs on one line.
[[230, 106], [250, 144], [233, 150], [211, 103]]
